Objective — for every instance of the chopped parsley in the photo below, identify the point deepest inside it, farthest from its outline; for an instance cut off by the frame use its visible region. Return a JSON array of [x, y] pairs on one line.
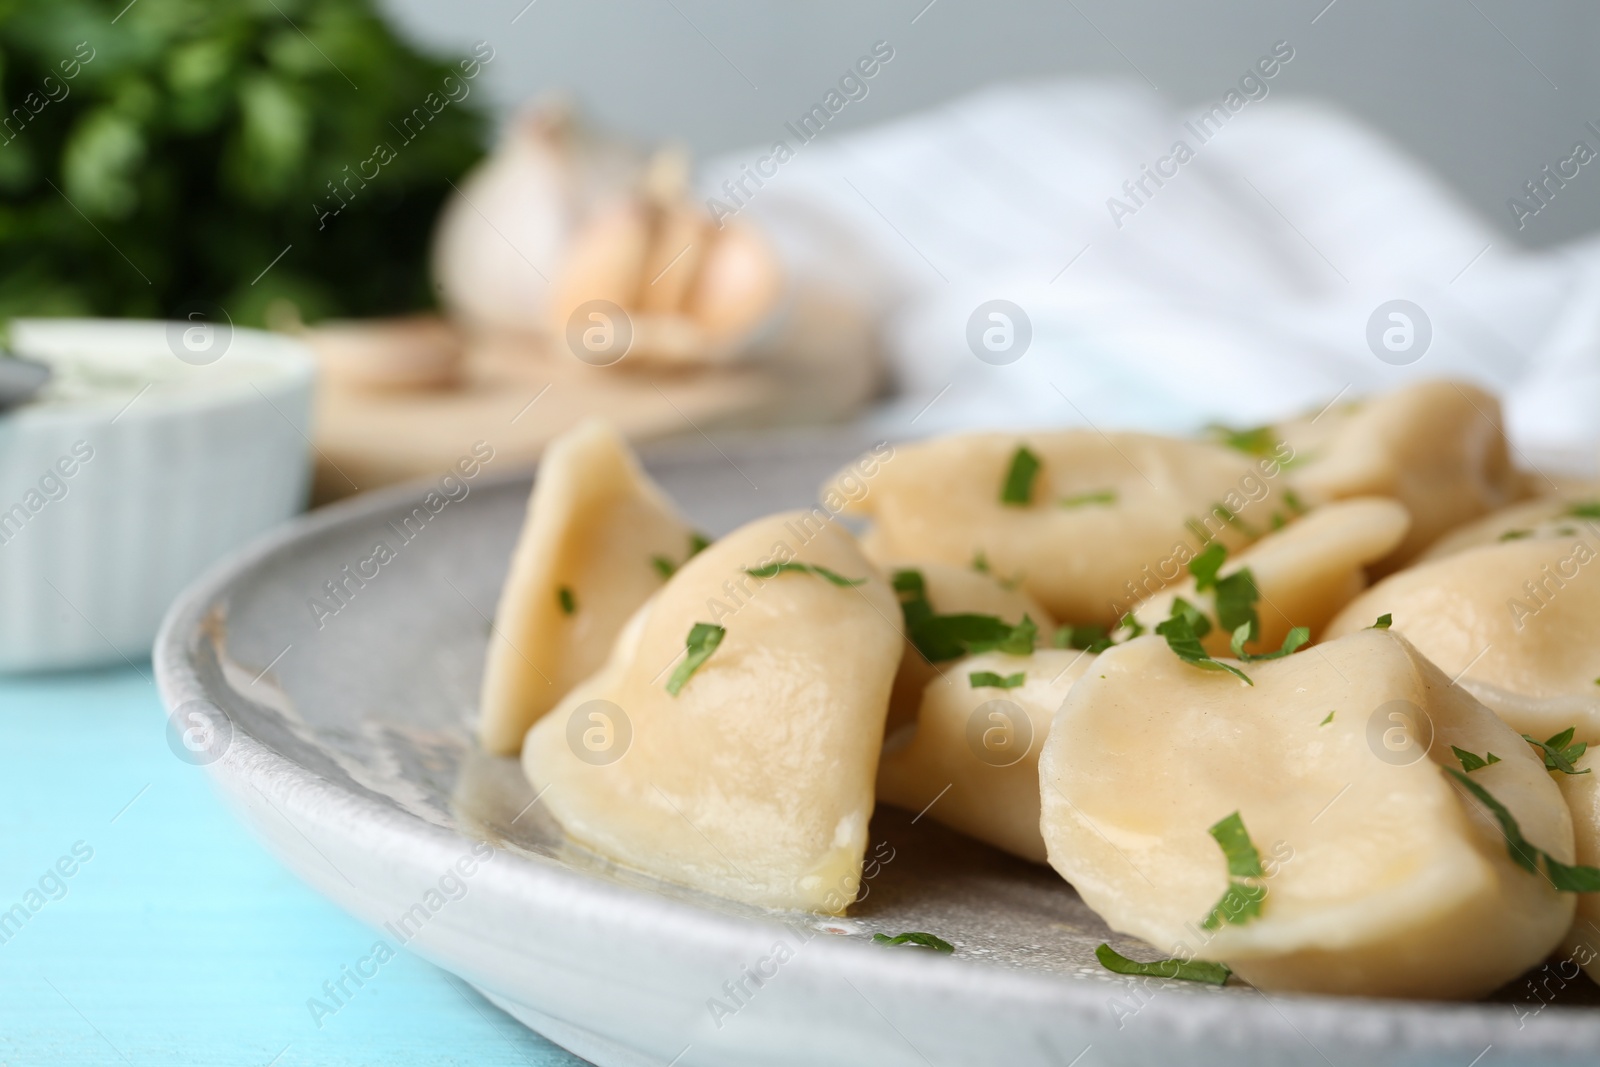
[[1515, 535], [1385, 621], [664, 566], [698, 543], [1242, 901], [1256, 441], [1184, 641], [991, 680], [703, 639], [1181, 970], [1329, 719], [1018, 487], [772, 570], [568, 602], [1291, 644], [1089, 638], [1567, 879], [1587, 510], [916, 939], [1559, 752], [1292, 498], [1134, 627], [944, 637], [1205, 566], [1472, 762], [1099, 496]]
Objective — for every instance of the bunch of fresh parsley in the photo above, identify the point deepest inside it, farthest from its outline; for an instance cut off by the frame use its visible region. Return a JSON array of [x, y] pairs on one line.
[[191, 144]]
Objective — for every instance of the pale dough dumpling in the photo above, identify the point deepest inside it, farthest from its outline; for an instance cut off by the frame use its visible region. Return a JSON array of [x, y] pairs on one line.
[[584, 562], [1109, 518], [1515, 620], [1304, 572], [974, 754], [1438, 447], [1382, 876], [754, 781], [953, 590]]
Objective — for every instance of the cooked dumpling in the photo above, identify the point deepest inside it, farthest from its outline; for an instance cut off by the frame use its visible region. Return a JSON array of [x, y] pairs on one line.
[[1174, 798], [1546, 516], [1514, 621], [952, 590], [1089, 523], [1438, 447], [973, 759], [740, 762], [586, 559], [1304, 572]]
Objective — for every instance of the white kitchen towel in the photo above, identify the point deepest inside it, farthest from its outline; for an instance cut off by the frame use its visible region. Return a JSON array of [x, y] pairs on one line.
[[1256, 279]]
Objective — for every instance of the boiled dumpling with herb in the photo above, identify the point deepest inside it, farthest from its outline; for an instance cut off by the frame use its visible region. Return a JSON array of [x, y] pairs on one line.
[[972, 760], [1304, 573], [1314, 830], [1087, 523], [1438, 447], [1515, 621], [731, 741], [947, 590], [600, 537]]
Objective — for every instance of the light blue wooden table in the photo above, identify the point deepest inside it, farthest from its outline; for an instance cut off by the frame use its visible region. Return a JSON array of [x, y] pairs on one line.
[[180, 940]]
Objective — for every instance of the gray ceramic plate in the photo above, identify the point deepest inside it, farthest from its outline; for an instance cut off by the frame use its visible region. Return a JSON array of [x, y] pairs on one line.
[[343, 739]]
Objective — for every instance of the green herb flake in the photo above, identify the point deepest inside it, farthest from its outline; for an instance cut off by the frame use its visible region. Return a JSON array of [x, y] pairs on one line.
[[1587, 510], [1234, 840], [1255, 441], [1087, 638], [1018, 488], [916, 939], [1292, 642], [1179, 970], [772, 570], [1329, 719], [1559, 752], [1205, 566], [1242, 900], [568, 602], [991, 680], [1292, 498], [1515, 535], [980, 562], [1185, 644], [1472, 762], [698, 543], [1236, 598], [664, 566], [1385, 621], [703, 639], [1134, 627], [1099, 496], [1567, 879]]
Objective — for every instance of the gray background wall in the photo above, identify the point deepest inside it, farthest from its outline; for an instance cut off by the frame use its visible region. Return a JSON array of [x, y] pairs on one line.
[[1485, 91]]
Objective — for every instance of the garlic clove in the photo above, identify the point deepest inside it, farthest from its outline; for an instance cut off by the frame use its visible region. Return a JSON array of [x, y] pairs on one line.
[[738, 286]]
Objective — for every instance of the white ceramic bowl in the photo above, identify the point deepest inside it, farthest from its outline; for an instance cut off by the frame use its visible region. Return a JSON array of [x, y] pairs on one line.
[[157, 449]]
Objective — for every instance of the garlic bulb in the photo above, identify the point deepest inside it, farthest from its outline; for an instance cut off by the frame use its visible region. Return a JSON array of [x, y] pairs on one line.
[[504, 235]]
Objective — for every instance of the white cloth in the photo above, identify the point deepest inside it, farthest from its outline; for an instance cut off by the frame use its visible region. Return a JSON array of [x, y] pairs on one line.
[[1239, 291]]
